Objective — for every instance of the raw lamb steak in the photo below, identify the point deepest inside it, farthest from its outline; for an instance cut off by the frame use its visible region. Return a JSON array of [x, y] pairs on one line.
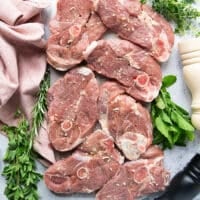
[[139, 24], [72, 108], [125, 120], [127, 63], [72, 30], [94, 163], [137, 178]]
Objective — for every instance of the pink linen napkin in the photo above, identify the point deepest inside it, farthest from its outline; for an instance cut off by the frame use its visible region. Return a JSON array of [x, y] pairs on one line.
[[22, 63], [22, 56], [42, 144]]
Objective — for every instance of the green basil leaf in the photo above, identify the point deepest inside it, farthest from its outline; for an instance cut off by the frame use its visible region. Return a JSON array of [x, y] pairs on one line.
[[160, 103], [190, 135], [175, 132], [165, 117], [165, 96], [163, 128], [181, 122], [168, 81], [174, 129], [181, 110]]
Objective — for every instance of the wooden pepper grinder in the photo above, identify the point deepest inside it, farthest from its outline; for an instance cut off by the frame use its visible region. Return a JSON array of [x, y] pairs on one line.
[[190, 56]]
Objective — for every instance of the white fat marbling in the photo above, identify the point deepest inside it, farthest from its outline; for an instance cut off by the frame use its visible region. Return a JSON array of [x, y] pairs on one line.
[[84, 71], [90, 49]]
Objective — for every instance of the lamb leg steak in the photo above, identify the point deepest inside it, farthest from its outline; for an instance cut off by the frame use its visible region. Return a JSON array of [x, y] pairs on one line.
[[127, 63], [137, 178], [74, 27], [127, 121], [72, 108], [94, 163], [139, 24]]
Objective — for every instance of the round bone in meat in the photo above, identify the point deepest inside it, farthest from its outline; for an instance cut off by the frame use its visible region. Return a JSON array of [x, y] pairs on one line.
[[127, 121], [127, 63], [94, 163], [139, 24], [137, 178], [72, 30], [72, 110]]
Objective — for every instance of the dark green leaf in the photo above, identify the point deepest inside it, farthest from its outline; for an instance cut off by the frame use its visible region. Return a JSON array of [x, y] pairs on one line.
[[153, 112], [158, 138], [165, 96], [181, 140]]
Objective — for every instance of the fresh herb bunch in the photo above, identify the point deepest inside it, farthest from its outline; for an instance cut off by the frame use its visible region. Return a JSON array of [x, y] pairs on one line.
[[171, 123], [20, 171], [40, 107], [181, 12]]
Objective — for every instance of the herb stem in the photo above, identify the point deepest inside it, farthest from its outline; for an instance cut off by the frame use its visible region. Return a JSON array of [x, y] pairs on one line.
[[20, 171]]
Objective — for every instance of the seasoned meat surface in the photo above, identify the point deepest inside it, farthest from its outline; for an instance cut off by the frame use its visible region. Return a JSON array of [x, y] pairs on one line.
[[94, 163], [76, 102], [74, 27], [72, 108], [127, 121], [137, 178], [139, 24], [127, 63]]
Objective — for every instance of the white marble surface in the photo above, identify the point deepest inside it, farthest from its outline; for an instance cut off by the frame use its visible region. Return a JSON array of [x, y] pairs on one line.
[[175, 159]]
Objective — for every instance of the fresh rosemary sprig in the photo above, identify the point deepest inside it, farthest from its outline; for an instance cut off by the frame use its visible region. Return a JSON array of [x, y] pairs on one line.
[[20, 171], [40, 107]]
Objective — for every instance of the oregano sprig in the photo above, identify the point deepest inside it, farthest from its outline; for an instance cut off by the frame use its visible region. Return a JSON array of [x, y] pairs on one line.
[[20, 172]]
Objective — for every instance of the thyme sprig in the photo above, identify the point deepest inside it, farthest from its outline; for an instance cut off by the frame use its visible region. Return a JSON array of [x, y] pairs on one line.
[[182, 12], [20, 172]]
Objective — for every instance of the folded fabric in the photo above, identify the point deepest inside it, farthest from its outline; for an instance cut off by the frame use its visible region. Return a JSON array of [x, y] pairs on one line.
[[42, 144], [22, 62], [22, 56]]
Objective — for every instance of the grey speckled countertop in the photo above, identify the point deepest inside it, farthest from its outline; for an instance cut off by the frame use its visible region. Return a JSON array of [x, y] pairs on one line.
[[175, 159]]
